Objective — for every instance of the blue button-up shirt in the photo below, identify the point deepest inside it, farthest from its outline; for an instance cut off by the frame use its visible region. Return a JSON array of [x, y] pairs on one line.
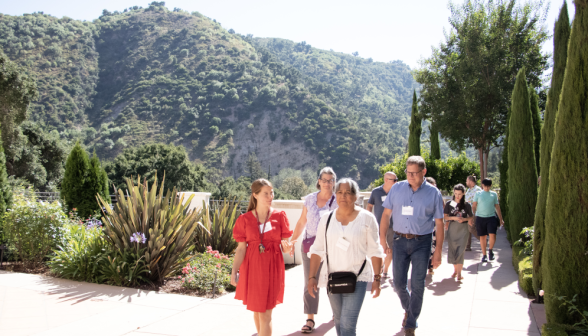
[[427, 205]]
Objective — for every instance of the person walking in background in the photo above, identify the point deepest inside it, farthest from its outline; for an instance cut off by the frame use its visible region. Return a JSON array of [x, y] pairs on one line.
[[458, 217], [473, 189], [486, 208], [416, 207], [315, 206], [260, 233], [431, 269], [378, 197], [346, 239]]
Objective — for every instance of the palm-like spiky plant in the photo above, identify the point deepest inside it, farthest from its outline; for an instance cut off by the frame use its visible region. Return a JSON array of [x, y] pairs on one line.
[[217, 228], [166, 222]]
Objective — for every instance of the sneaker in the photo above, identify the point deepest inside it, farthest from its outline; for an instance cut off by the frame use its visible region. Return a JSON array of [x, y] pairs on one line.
[[409, 332], [468, 248], [491, 255], [484, 259]]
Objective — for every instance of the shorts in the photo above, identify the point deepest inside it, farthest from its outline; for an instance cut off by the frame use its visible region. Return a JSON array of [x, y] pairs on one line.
[[390, 237], [486, 225]]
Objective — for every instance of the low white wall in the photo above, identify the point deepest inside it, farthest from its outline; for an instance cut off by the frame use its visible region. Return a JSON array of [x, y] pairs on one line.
[[366, 197], [293, 209], [196, 202]]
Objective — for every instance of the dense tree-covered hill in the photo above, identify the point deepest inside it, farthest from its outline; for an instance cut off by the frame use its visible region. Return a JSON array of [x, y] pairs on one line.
[[61, 54], [154, 75]]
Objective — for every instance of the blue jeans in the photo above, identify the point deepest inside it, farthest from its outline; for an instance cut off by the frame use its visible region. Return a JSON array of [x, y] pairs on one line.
[[346, 309], [406, 251]]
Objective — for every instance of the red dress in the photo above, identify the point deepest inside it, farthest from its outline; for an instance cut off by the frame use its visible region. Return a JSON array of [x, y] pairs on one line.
[[261, 276]]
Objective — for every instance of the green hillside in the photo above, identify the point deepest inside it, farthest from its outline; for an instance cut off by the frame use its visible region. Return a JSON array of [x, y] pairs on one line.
[[61, 54], [177, 77]]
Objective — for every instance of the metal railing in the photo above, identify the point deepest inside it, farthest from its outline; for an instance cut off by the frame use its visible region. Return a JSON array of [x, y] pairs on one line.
[[241, 205], [56, 196]]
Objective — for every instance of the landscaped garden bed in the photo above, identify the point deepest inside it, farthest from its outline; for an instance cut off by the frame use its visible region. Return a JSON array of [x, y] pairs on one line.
[[148, 240]]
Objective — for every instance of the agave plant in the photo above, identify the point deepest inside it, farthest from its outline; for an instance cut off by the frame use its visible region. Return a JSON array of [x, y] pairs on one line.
[[165, 224], [217, 226]]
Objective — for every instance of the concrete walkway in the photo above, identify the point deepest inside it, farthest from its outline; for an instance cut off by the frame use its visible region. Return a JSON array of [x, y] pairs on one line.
[[487, 302]]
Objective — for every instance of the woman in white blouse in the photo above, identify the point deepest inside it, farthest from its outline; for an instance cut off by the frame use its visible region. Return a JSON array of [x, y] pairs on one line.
[[352, 238]]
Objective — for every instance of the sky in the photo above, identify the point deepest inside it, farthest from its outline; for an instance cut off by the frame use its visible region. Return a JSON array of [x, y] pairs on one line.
[[385, 30]]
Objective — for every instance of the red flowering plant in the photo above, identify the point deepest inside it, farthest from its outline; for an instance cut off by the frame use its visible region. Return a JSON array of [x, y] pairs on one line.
[[199, 273]]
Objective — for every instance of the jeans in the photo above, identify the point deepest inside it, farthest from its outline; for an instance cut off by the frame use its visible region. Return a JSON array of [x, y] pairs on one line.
[[406, 251], [346, 309]]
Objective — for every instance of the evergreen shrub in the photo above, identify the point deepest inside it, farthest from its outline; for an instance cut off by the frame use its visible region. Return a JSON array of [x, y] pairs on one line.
[[523, 265], [522, 171], [32, 229], [560, 54], [566, 218], [447, 173]]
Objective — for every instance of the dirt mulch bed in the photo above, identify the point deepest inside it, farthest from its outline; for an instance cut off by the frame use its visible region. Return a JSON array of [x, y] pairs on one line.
[[12, 266]]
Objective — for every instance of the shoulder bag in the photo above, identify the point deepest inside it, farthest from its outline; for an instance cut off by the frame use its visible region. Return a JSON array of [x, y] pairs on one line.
[[340, 282]]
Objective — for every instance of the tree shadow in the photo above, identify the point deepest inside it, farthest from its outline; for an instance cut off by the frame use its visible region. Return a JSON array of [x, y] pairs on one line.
[[77, 292]]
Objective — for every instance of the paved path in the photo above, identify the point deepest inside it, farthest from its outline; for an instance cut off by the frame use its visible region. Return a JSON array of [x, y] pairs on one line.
[[487, 302]]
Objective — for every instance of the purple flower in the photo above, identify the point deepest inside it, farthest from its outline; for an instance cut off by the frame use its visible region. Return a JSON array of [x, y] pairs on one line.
[[93, 223], [138, 237]]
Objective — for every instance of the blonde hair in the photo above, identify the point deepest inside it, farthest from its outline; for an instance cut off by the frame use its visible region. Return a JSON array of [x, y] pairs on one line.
[[255, 189]]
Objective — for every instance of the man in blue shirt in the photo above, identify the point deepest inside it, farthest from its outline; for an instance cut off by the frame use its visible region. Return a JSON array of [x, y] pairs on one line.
[[416, 208], [377, 198]]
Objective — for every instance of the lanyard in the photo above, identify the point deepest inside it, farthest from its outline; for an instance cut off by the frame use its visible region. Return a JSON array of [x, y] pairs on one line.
[[261, 247]]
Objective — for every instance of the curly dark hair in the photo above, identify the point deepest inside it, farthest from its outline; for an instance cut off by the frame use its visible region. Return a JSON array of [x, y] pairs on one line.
[[461, 204]]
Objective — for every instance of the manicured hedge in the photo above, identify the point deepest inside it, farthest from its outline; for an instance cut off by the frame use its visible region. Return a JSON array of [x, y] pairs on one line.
[[554, 329], [523, 265]]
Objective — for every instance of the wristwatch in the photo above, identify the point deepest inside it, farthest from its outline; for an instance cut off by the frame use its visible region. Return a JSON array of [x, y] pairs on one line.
[[377, 277]]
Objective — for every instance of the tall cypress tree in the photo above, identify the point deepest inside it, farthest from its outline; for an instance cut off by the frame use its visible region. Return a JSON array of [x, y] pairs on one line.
[[415, 129], [537, 125], [503, 169], [96, 184], [5, 192], [74, 179], [435, 147], [522, 171], [565, 271], [560, 56]]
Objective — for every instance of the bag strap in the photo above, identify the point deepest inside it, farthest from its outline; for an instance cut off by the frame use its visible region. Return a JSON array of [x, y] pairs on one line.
[[327, 247], [326, 244]]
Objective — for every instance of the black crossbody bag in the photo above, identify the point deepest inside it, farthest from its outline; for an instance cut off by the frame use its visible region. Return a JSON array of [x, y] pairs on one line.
[[340, 282]]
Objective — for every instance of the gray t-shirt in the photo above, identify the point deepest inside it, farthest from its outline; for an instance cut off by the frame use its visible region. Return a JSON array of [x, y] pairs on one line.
[[376, 199]]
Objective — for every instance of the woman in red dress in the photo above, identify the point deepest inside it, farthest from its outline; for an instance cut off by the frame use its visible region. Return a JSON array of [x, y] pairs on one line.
[[260, 232]]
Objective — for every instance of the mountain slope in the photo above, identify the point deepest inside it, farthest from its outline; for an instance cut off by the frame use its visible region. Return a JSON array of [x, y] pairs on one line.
[[60, 54], [176, 77]]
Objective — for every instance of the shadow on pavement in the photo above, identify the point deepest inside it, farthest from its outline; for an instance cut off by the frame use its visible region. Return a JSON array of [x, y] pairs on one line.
[[444, 286], [96, 292], [320, 330]]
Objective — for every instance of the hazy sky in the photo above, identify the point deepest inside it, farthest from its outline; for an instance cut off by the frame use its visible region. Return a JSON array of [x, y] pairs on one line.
[[385, 30]]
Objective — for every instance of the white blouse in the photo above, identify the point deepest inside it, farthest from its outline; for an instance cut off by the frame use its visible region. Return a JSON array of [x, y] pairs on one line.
[[363, 236]]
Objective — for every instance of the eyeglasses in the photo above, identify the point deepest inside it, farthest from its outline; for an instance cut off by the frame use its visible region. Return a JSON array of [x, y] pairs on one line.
[[412, 174], [331, 181]]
